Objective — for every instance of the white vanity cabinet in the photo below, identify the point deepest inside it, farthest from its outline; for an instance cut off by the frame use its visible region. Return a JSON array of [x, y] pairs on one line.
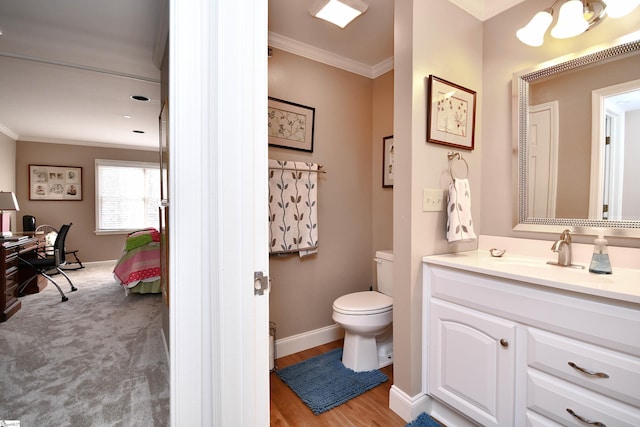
[[472, 362], [504, 350]]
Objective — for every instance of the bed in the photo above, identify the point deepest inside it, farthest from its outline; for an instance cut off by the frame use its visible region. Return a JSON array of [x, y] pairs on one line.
[[138, 268]]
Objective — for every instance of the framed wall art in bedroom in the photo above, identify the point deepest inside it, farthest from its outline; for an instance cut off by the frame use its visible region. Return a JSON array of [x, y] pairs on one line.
[[55, 182]]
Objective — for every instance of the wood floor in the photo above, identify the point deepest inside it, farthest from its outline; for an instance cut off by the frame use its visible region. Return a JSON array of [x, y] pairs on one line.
[[367, 410]]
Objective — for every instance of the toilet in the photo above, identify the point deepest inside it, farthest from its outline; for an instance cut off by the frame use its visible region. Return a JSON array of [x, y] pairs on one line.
[[366, 318]]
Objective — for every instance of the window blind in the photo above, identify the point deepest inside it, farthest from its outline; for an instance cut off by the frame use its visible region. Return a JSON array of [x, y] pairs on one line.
[[127, 195]]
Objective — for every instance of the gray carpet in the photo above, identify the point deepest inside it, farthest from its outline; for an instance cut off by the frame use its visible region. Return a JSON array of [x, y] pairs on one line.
[[95, 360]]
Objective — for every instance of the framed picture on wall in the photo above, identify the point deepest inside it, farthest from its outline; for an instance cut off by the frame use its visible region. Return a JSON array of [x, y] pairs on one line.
[[55, 182], [387, 161], [451, 114], [290, 125]]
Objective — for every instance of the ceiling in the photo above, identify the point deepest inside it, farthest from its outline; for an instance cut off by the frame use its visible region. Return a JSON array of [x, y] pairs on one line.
[[68, 68]]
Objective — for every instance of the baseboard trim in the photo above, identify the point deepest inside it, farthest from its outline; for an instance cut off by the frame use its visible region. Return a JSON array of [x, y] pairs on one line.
[[307, 340], [408, 407], [98, 263]]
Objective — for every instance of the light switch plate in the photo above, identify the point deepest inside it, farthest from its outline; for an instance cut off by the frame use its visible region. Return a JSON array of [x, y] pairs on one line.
[[432, 200]]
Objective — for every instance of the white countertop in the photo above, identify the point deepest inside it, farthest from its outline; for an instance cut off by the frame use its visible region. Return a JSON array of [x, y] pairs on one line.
[[623, 284]]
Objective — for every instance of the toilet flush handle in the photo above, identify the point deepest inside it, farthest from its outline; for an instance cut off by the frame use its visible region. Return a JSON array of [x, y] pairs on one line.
[[378, 260]]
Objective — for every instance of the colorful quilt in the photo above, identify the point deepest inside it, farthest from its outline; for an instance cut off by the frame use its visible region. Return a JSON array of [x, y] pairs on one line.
[[140, 259]]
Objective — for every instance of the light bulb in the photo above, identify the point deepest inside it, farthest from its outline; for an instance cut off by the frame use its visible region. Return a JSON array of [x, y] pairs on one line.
[[620, 8], [533, 33], [571, 20]]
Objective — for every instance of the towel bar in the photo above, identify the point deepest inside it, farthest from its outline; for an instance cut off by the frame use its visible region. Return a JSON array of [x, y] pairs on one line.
[[320, 169]]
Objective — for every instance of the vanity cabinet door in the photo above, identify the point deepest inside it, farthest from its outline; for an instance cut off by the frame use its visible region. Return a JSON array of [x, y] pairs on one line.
[[472, 362]]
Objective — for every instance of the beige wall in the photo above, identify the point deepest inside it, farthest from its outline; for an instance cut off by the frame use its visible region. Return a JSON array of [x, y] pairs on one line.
[[436, 38], [80, 213], [7, 172], [631, 192], [345, 139], [504, 55], [382, 198]]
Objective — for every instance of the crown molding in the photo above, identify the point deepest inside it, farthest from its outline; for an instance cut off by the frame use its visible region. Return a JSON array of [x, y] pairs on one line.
[[115, 145], [319, 55], [11, 134]]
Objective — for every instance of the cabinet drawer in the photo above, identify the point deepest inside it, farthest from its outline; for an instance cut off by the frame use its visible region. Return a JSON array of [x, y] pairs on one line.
[[554, 398], [594, 320], [536, 420], [553, 354], [10, 285]]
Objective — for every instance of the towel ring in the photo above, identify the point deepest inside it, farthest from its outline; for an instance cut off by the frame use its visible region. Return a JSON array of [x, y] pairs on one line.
[[456, 156]]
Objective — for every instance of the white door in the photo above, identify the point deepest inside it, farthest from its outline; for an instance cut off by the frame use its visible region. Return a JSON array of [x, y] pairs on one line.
[[608, 148], [542, 150], [218, 213], [472, 363]]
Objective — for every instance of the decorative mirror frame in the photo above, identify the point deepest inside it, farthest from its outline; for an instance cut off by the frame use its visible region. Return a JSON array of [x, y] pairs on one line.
[[520, 96]]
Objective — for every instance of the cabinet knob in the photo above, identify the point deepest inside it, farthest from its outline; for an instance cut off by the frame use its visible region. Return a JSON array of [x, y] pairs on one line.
[[504, 343]]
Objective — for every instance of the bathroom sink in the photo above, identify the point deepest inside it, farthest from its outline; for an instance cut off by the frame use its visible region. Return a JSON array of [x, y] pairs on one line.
[[518, 262]]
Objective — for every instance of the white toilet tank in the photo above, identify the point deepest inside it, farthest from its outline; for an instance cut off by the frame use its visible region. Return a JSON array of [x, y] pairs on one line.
[[384, 266]]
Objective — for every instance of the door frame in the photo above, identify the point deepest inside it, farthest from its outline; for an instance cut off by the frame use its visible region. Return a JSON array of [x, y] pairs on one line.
[[218, 210], [598, 134]]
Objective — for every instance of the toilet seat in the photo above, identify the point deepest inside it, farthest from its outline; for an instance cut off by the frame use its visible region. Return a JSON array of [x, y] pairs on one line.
[[363, 303]]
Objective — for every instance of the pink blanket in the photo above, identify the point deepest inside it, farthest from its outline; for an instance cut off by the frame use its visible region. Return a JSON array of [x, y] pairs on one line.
[[141, 263]]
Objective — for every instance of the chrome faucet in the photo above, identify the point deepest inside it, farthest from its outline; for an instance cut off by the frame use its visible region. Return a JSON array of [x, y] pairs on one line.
[[563, 248]]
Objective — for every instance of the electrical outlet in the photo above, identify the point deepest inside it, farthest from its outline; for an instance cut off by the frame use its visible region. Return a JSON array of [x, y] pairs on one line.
[[432, 200]]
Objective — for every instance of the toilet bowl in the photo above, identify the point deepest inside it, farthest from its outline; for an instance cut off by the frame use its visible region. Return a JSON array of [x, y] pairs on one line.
[[366, 318]]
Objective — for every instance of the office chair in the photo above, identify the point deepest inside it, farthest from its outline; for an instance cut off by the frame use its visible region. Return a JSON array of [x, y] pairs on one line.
[[46, 229], [44, 263]]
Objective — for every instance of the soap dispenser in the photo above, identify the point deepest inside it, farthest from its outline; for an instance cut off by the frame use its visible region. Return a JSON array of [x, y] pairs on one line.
[[600, 263]]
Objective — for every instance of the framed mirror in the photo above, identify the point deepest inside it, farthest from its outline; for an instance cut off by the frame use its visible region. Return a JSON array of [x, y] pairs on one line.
[[576, 149]]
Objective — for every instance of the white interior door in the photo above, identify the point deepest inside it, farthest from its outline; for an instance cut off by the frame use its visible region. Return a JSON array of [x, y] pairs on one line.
[[613, 179], [607, 150], [542, 153], [218, 212]]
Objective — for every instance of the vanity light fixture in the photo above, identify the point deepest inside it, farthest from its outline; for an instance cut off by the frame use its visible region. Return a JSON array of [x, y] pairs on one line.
[[574, 18], [338, 12]]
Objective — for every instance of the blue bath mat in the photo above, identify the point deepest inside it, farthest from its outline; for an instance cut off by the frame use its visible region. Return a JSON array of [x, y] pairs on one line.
[[323, 382], [424, 420]]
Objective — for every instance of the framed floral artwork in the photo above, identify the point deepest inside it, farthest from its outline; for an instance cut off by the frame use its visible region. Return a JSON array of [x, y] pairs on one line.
[[451, 114], [290, 125], [387, 161], [55, 182]]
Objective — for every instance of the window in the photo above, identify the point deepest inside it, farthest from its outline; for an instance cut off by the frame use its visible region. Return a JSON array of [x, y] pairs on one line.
[[127, 195]]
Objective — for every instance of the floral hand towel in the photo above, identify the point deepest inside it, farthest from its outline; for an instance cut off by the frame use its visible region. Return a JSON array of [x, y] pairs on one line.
[[459, 222], [293, 207]]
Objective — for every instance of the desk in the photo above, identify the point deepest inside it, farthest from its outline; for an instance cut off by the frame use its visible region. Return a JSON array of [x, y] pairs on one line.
[[10, 276]]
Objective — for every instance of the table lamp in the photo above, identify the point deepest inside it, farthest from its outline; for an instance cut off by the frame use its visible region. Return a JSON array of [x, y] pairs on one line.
[[8, 202]]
